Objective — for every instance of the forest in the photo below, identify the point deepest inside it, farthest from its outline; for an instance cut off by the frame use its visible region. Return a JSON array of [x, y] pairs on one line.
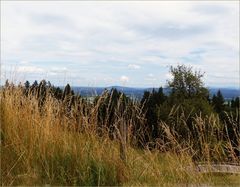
[[54, 136]]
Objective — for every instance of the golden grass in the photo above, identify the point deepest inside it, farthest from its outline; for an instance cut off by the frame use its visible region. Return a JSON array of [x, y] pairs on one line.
[[39, 148]]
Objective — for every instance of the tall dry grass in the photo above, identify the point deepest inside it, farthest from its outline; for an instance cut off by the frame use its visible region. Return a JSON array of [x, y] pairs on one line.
[[207, 139], [46, 146]]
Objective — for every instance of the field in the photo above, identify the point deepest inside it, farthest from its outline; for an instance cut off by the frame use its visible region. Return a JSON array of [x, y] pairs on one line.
[[39, 148], [119, 93]]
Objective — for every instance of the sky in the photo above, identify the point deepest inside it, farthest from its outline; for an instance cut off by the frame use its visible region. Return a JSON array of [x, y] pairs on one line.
[[125, 43]]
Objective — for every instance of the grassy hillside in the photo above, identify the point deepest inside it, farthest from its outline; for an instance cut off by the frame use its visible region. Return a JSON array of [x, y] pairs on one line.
[[41, 146]]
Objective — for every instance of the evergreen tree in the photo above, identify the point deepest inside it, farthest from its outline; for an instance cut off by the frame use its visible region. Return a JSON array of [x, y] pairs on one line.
[[218, 102], [145, 98], [150, 103], [27, 85], [35, 84], [33, 88], [110, 109], [57, 92], [235, 103]]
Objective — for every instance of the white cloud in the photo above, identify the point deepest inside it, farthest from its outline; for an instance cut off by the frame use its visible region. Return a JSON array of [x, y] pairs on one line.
[[91, 35], [30, 69], [24, 62], [52, 73], [150, 78], [59, 70], [133, 66], [124, 79], [150, 75]]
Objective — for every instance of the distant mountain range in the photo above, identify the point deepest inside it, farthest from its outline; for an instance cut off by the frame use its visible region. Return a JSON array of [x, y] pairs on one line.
[[228, 93]]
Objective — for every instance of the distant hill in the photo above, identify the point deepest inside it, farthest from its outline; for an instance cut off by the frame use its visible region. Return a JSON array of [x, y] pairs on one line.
[[228, 93], [137, 93]]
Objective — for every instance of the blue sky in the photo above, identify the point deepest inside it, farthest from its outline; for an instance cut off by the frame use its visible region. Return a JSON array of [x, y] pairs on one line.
[[119, 43]]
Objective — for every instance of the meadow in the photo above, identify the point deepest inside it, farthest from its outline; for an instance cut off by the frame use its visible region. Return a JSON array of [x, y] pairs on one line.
[[55, 143]]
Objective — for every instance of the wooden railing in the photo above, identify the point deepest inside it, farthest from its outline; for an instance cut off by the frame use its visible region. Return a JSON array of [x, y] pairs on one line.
[[231, 168]]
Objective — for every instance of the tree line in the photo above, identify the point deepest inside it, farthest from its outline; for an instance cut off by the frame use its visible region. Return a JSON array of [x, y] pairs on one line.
[[148, 120]]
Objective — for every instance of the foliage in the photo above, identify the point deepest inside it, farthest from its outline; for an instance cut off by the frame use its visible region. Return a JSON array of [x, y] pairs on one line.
[[41, 147], [186, 83], [150, 103], [218, 102], [54, 136]]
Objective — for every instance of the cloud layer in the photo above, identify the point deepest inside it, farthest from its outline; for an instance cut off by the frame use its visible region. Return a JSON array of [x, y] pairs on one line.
[[116, 43]]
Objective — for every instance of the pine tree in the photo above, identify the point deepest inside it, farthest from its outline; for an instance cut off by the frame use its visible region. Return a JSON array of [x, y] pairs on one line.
[[218, 102], [235, 103], [35, 83], [150, 103], [27, 85]]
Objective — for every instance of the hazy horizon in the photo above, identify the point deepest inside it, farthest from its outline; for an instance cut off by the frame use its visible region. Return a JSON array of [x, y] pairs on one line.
[[131, 44], [109, 86]]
